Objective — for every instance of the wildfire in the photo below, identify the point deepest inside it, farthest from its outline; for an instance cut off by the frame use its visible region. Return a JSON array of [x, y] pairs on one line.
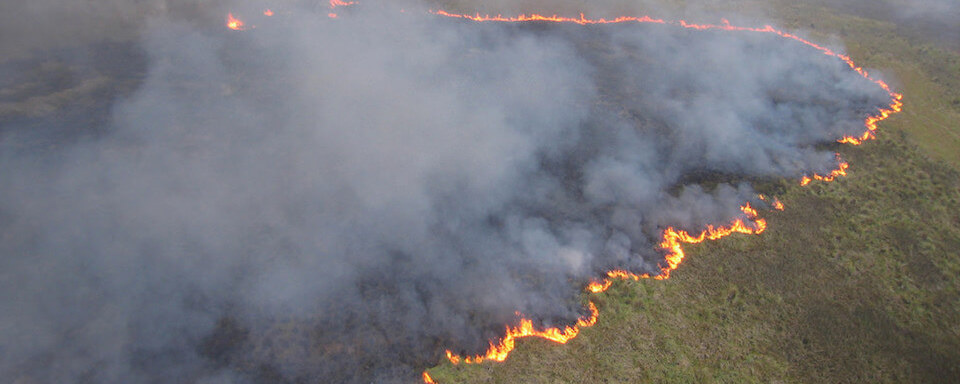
[[871, 122], [338, 3], [671, 244], [234, 23], [672, 239], [776, 204], [582, 20], [840, 171], [427, 379], [500, 351]]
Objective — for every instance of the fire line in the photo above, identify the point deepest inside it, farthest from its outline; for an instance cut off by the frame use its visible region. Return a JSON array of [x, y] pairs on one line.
[[672, 239]]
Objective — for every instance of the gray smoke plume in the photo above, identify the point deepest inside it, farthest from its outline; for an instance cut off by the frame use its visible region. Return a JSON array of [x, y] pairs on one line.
[[932, 20], [339, 200]]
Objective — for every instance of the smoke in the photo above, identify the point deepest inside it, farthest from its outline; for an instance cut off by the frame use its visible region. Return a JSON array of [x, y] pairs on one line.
[[925, 20], [935, 21], [327, 200], [37, 26]]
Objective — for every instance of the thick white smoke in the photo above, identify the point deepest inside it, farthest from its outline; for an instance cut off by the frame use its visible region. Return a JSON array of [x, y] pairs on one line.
[[340, 200]]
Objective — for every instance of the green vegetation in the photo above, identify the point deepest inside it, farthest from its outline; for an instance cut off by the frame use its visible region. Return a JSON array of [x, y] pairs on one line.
[[857, 281], [926, 74]]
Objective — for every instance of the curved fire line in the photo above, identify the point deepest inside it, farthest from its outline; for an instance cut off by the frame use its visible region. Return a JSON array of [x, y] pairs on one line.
[[672, 239]]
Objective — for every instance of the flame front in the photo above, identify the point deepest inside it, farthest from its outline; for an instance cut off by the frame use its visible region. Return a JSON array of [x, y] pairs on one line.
[[896, 104], [840, 171], [582, 20], [500, 351], [672, 239], [870, 123], [672, 242]]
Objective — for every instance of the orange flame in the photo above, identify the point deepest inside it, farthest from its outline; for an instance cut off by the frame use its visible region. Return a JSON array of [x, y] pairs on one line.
[[777, 204], [871, 121], [234, 23], [338, 3], [840, 171], [268, 12], [582, 20], [500, 351], [671, 243], [896, 103], [427, 379], [672, 239], [599, 286]]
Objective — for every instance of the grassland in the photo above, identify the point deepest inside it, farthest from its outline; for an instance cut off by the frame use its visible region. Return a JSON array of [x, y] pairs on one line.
[[857, 281]]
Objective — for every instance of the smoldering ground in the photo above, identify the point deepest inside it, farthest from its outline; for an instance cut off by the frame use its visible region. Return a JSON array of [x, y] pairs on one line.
[[319, 200]]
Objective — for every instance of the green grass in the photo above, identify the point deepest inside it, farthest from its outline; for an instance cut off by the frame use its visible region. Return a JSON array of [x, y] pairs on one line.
[[857, 281], [927, 75]]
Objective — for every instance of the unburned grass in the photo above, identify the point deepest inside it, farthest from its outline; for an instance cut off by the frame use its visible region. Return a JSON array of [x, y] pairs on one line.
[[857, 281]]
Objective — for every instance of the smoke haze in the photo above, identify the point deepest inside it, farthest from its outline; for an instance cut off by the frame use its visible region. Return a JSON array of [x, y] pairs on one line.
[[320, 200]]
